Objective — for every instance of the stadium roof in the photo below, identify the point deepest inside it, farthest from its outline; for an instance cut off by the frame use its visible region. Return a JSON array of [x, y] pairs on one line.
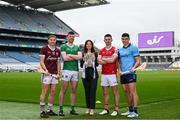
[[57, 5]]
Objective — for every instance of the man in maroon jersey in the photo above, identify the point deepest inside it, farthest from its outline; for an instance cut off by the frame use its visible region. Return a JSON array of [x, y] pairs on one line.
[[50, 63], [107, 58]]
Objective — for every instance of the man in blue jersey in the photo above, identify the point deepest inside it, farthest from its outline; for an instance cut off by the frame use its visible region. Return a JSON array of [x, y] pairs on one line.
[[129, 59]]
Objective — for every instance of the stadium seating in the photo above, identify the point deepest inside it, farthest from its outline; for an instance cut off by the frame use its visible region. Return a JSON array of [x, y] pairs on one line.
[[22, 57], [30, 20], [4, 59]]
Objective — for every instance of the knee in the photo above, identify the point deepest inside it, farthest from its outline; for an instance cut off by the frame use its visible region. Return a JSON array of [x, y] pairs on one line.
[[42, 96], [126, 91], [133, 93], [73, 91], [52, 93], [62, 92]]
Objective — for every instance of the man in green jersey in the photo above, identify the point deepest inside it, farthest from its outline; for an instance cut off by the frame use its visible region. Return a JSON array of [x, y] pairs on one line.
[[71, 54]]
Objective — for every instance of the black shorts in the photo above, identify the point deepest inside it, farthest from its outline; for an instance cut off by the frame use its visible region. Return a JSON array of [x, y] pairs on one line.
[[128, 78]]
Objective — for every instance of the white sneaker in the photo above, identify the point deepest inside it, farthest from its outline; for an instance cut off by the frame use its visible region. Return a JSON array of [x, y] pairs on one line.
[[125, 113], [132, 115], [114, 113], [87, 111], [91, 112], [104, 112]]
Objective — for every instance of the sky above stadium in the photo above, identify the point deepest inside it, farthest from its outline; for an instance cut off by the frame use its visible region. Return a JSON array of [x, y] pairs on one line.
[[131, 16]]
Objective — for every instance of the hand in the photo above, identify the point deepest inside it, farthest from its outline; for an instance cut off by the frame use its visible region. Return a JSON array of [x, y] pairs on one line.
[[47, 72], [103, 58], [58, 76], [132, 70], [120, 73]]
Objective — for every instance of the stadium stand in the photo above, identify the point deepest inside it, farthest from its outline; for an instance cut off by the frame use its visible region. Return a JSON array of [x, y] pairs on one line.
[[24, 30]]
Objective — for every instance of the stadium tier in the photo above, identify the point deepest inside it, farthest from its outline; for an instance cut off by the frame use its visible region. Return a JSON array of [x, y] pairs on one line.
[[24, 29], [158, 49], [23, 32], [19, 18]]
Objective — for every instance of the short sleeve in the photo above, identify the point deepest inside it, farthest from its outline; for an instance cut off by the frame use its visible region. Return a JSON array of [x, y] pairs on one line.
[[79, 50], [59, 53], [63, 48], [43, 51], [135, 51], [100, 52]]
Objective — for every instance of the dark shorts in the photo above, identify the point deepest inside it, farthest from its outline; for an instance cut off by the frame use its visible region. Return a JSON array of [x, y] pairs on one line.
[[128, 78]]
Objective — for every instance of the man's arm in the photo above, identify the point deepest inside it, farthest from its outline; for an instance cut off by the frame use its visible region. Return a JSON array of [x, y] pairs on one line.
[[76, 57], [137, 59], [66, 57], [119, 68], [100, 61], [110, 59], [58, 68], [42, 57]]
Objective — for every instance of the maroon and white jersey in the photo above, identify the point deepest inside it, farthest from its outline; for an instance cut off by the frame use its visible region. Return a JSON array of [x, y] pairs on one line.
[[51, 58]]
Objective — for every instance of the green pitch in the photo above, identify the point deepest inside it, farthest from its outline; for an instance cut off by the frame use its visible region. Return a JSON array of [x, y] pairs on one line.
[[158, 96]]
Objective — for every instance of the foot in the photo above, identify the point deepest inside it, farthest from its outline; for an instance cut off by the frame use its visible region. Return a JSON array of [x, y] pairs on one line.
[[61, 113], [114, 113], [73, 112], [132, 115], [51, 113], [125, 113], [104, 112], [87, 111], [43, 114], [91, 112]]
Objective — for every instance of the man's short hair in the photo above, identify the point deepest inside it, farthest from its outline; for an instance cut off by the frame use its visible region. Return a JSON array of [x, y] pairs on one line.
[[125, 35], [51, 36], [108, 35], [71, 33]]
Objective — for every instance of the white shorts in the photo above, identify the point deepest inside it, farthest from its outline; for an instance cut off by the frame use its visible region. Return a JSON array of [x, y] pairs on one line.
[[68, 75], [48, 79], [109, 80]]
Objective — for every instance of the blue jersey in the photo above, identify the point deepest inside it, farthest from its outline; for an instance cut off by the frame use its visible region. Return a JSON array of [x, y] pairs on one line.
[[127, 56]]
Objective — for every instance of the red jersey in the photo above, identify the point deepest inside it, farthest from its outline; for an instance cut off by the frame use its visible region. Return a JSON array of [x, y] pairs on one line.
[[109, 68], [51, 58]]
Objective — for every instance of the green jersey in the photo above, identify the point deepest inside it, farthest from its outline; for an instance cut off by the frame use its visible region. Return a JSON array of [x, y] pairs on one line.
[[70, 65]]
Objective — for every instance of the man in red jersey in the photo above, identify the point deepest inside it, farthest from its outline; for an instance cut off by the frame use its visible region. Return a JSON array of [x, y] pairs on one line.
[[49, 61], [107, 58]]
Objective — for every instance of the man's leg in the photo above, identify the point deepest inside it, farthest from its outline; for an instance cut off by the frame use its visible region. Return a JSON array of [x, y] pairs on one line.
[[51, 100], [64, 86], [106, 97], [116, 97], [74, 85], [44, 91], [133, 93]]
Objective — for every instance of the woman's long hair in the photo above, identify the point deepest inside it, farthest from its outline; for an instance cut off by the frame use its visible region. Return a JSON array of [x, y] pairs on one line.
[[92, 49]]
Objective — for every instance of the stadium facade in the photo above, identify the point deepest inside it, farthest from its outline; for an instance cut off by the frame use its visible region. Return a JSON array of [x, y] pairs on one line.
[[24, 29], [159, 50]]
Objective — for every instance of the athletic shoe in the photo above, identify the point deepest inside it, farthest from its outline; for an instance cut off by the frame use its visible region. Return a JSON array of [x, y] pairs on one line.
[[91, 112], [125, 113], [43, 114], [114, 113], [87, 111], [104, 112], [61, 113], [51, 113], [73, 112], [132, 115]]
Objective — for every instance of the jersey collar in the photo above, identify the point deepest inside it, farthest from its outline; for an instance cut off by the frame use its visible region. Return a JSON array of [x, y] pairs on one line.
[[108, 48], [53, 49], [69, 45], [127, 46]]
